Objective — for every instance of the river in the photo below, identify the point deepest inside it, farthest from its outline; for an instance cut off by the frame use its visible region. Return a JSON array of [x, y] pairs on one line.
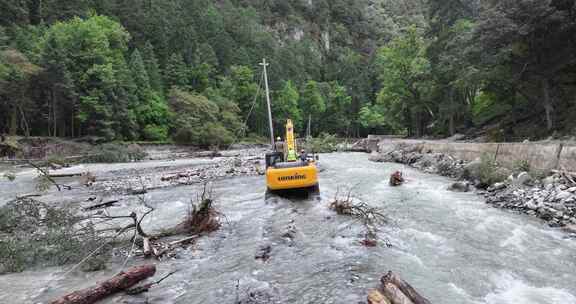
[[451, 246]]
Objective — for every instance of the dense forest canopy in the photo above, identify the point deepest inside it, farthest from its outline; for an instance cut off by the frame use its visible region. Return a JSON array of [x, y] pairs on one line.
[[188, 70]]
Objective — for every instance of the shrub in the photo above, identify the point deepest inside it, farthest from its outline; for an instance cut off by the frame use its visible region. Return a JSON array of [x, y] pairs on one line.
[[521, 165], [325, 143], [488, 172], [34, 234], [155, 133], [116, 153]]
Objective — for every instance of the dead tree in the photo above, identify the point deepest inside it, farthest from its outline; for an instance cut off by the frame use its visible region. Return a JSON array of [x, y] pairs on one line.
[[370, 217]]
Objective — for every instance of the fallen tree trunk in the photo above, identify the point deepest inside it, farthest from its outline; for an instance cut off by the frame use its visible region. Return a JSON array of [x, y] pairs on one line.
[[63, 175], [376, 297], [146, 247], [406, 288], [122, 281], [394, 290], [395, 295], [101, 205]]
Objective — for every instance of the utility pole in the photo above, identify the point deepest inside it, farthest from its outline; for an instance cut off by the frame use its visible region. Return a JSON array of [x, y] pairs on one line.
[[265, 65], [309, 130]]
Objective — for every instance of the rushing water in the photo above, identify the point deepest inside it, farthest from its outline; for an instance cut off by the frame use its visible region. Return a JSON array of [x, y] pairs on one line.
[[451, 246]]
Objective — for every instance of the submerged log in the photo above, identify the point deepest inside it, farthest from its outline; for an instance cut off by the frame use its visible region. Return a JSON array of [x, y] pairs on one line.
[[64, 175], [120, 282], [406, 288], [101, 205]]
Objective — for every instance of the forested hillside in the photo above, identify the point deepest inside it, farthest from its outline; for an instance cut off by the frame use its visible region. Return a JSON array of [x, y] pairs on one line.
[[188, 70]]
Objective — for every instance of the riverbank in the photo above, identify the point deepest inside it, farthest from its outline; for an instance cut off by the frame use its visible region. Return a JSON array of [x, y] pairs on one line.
[[547, 194]]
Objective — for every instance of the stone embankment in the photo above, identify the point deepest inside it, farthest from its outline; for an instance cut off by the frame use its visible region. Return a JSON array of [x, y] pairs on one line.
[[549, 194]]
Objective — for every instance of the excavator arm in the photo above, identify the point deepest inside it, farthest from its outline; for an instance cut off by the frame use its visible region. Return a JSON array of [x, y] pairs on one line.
[[290, 142]]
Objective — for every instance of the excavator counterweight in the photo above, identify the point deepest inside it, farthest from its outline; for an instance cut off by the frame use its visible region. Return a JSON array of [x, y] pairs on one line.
[[285, 170]]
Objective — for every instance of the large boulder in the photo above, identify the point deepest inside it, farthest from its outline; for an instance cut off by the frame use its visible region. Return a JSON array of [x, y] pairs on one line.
[[497, 187], [522, 179], [550, 180], [472, 169], [459, 187], [562, 195]]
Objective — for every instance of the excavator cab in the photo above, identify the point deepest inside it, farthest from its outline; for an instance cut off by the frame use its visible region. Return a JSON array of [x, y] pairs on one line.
[[285, 171]]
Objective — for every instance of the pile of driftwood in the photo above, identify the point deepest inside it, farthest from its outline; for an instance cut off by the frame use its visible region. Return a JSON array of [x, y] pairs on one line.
[[370, 217], [394, 290]]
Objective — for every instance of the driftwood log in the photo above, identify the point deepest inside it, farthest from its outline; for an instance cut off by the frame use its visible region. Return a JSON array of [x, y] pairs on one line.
[[64, 175], [406, 288], [101, 205], [120, 282], [375, 296], [395, 295], [394, 290]]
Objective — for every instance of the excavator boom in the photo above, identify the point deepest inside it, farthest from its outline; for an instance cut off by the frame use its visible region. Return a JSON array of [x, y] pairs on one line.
[[290, 142]]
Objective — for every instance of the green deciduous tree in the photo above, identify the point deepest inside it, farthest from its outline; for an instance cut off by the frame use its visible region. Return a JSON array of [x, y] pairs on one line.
[[16, 72], [197, 120], [406, 84], [285, 106], [312, 102], [91, 53]]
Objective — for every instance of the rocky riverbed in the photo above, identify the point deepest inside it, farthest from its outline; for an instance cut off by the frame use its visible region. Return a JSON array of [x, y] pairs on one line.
[[551, 197], [247, 162]]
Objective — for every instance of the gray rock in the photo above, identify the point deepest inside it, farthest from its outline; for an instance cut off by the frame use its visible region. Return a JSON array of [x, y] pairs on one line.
[[559, 207], [532, 205], [570, 228], [522, 179], [396, 156], [562, 195], [459, 187], [472, 169], [571, 190], [548, 181], [498, 186]]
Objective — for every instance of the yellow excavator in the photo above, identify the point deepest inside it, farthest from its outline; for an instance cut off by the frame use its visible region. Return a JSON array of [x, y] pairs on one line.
[[288, 171]]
